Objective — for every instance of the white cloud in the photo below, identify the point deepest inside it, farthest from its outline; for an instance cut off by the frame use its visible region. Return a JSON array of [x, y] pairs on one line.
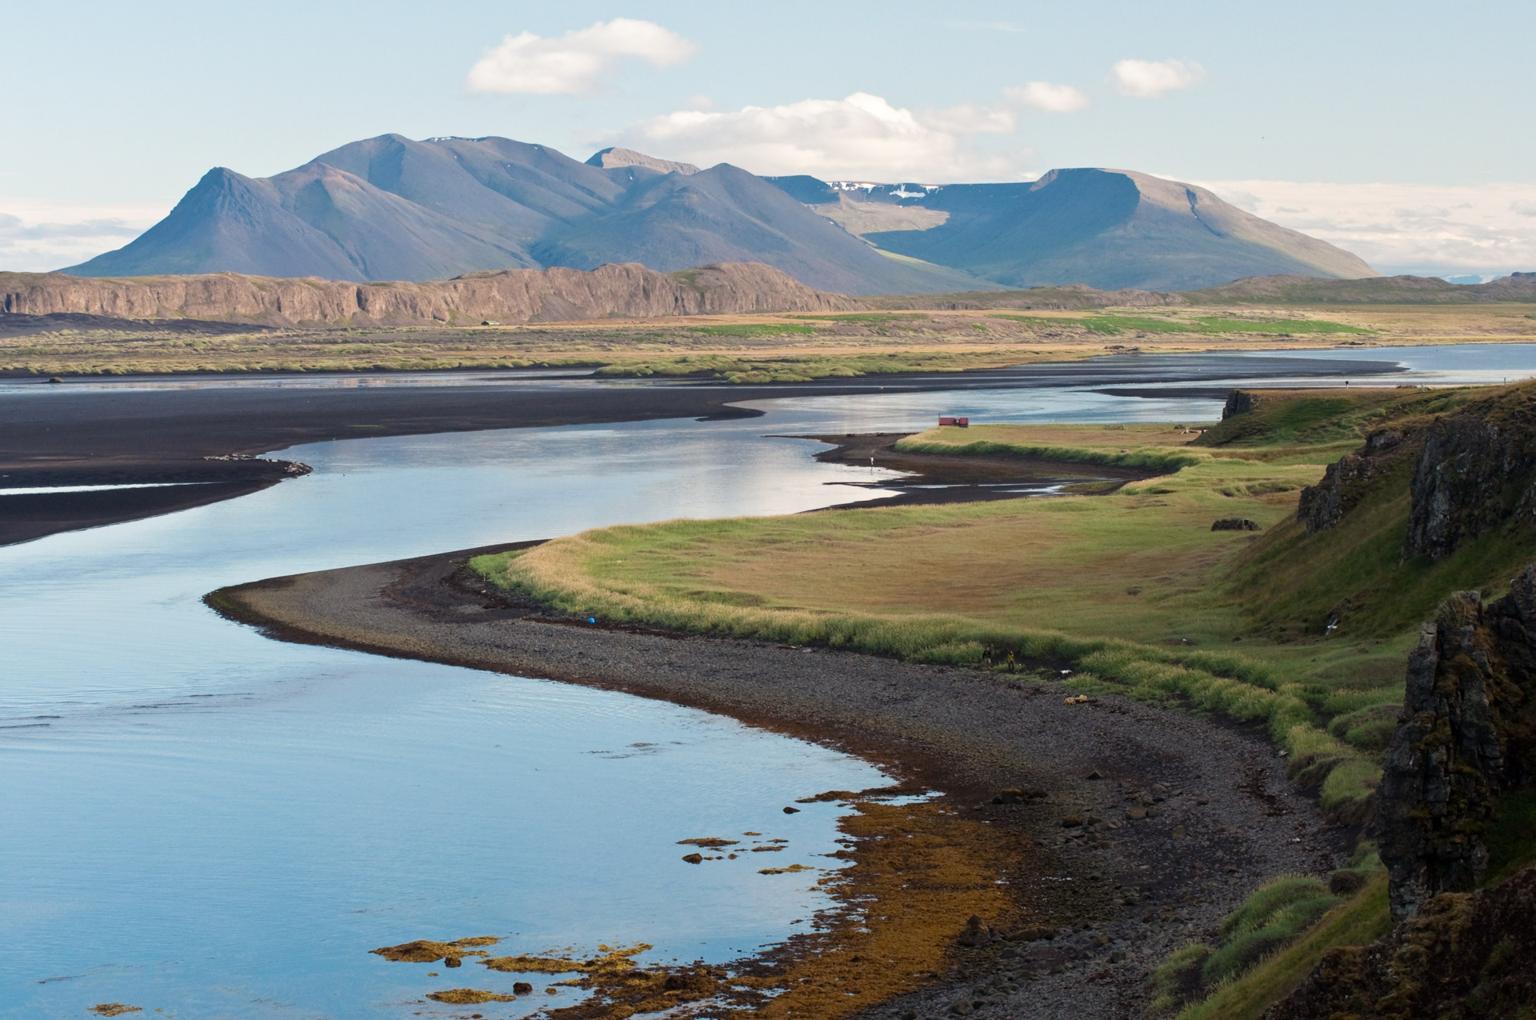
[[1148, 79], [1048, 96], [862, 136], [976, 119], [576, 61], [36, 236], [1399, 228]]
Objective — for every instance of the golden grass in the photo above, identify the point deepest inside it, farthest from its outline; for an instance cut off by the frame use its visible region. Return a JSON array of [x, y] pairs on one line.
[[819, 344]]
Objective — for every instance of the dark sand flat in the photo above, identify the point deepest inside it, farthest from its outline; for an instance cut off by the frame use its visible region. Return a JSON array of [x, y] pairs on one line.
[[91, 433]]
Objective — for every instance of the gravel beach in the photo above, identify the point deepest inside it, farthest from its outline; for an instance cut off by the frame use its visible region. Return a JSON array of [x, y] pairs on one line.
[[1147, 825]]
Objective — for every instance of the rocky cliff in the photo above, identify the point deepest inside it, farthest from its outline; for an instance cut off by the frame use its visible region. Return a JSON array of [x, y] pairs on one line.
[[514, 296], [1476, 472], [1466, 735], [1472, 472], [1347, 480]]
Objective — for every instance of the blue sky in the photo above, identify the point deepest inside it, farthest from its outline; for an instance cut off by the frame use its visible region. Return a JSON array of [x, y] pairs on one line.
[[1401, 130]]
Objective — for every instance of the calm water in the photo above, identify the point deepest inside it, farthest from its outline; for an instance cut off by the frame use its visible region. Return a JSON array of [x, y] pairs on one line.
[[199, 819]]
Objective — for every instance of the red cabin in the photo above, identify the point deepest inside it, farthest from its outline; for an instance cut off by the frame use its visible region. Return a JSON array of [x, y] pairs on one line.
[[959, 423]]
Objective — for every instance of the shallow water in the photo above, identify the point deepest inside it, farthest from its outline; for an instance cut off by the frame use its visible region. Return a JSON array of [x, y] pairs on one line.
[[201, 819]]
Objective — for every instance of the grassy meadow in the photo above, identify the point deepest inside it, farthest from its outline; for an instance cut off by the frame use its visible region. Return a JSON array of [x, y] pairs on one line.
[[753, 348]]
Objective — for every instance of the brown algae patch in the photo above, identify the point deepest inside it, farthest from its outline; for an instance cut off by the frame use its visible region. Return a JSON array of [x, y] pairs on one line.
[[428, 951], [608, 963], [115, 1009], [920, 873], [921, 876], [469, 996], [793, 869]]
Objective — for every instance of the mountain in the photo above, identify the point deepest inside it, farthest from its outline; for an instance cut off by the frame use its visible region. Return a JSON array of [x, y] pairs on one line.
[[1109, 229], [391, 208], [615, 157], [512, 296]]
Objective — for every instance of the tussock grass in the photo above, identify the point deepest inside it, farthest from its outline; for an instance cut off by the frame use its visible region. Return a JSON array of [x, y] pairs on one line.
[[1247, 994]]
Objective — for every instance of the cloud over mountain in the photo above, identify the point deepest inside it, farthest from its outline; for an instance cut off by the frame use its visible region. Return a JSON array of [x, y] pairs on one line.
[[576, 61], [859, 136]]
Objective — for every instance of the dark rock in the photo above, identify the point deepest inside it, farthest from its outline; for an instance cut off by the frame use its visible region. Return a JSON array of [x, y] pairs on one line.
[[791, 811], [452, 961], [977, 933], [1477, 471], [1013, 795], [1234, 524], [1467, 733], [522, 988], [1239, 402], [1346, 481], [693, 858]]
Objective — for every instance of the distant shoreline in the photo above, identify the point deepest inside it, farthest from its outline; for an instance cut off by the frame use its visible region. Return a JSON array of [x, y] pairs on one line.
[[106, 435]]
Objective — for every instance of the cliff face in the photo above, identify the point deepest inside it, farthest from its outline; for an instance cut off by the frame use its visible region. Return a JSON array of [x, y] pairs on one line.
[[1475, 473], [1467, 734], [1347, 481], [527, 295], [1472, 472]]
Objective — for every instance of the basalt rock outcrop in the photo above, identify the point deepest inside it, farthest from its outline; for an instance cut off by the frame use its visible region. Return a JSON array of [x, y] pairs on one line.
[[514, 296], [1239, 402], [1347, 481], [1465, 956], [1467, 734], [1476, 472]]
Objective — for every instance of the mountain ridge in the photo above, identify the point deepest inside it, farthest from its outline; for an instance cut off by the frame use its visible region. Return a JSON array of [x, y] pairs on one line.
[[1106, 228], [390, 207]]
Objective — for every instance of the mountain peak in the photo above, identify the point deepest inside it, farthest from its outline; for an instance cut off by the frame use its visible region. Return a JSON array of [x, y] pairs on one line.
[[615, 157], [389, 207]]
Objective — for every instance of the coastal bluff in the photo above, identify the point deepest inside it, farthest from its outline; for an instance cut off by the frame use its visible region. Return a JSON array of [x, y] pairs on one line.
[[628, 291]]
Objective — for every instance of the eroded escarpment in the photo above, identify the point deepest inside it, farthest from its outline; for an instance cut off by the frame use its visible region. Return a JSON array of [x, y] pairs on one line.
[[514, 295]]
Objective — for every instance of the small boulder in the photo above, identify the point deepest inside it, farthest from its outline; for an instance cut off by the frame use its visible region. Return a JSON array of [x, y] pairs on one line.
[[1234, 524]]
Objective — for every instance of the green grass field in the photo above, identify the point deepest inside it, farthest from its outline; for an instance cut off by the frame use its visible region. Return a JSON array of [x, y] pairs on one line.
[[1202, 325]]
